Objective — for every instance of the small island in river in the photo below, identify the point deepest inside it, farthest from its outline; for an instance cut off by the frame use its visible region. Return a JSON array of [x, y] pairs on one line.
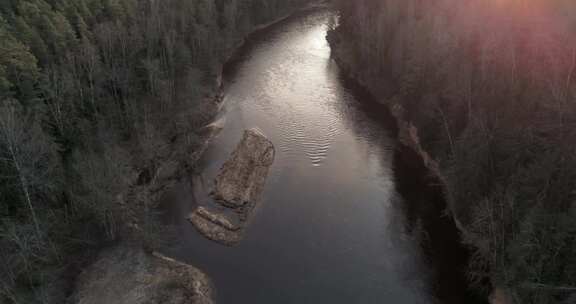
[[237, 190]]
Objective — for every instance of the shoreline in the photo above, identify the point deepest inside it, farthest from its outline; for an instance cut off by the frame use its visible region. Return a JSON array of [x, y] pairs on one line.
[[165, 171], [412, 155]]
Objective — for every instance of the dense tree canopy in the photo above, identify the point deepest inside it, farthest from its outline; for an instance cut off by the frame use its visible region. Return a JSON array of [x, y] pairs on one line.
[[83, 84]]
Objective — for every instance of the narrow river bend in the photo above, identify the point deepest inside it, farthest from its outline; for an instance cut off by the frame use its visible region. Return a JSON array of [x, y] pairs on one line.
[[329, 228]]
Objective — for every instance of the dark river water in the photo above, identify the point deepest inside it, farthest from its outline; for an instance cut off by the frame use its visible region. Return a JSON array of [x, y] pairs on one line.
[[329, 228]]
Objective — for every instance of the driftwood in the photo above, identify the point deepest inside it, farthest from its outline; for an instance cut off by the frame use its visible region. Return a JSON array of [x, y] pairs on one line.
[[215, 230], [216, 218], [237, 187]]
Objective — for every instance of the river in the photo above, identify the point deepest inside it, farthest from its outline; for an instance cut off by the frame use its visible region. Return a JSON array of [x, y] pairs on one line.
[[330, 228]]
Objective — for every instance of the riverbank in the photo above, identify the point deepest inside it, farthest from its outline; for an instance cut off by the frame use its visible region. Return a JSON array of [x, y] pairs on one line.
[[165, 169], [491, 104], [421, 182], [490, 119]]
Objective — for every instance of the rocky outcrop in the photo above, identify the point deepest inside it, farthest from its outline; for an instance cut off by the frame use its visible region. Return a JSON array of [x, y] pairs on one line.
[[237, 188], [126, 275]]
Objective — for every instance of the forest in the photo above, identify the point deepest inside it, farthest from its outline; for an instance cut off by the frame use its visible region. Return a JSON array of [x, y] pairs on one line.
[[105, 102], [487, 90], [93, 93]]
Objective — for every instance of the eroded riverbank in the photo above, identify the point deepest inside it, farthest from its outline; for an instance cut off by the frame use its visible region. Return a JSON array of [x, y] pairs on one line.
[[422, 185]]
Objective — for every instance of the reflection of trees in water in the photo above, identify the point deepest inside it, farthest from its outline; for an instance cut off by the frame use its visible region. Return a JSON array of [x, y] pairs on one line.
[[425, 206], [419, 205]]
